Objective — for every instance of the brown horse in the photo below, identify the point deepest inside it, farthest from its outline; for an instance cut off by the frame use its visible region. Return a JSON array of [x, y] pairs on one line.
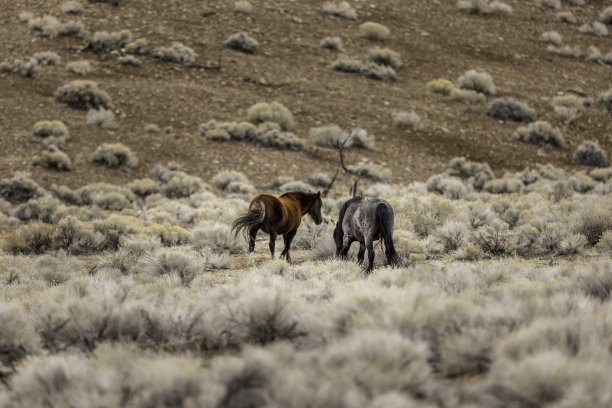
[[278, 215]]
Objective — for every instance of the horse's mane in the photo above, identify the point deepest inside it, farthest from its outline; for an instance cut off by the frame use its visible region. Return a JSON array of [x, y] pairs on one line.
[[338, 229]]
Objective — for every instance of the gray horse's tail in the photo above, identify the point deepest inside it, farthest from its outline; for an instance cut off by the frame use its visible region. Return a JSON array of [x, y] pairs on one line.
[[383, 215], [255, 215]]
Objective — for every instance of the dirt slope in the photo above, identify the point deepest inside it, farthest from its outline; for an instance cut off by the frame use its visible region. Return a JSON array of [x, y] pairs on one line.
[[434, 39]]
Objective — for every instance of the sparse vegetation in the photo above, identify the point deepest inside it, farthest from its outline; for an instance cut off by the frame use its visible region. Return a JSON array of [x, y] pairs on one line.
[[567, 17], [541, 133], [408, 121], [102, 118], [72, 7], [374, 31], [177, 53], [477, 81], [138, 294], [83, 94], [115, 156], [342, 10], [243, 42], [270, 112], [332, 43], [384, 56], [510, 109], [595, 28], [566, 51], [366, 69], [552, 37], [243, 6], [590, 153], [53, 159], [79, 67]]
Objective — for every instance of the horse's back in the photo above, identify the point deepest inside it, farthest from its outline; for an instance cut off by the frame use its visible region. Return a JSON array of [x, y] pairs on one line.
[[280, 212], [363, 218]]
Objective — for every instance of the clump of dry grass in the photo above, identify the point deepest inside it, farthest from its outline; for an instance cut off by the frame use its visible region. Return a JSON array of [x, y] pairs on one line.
[[342, 10], [26, 69], [47, 58], [595, 28], [115, 156], [467, 96], [101, 117], [366, 69], [384, 56], [477, 81], [83, 94], [270, 112], [105, 41], [567, 17], [53, 159], [541, 133], [591, 154], [177, 52], [408, 121], [510, 109], [440, 86], [567, 107], [79, 67], [243, 6], [566, 51], [374, 31], [332, 43], [552, 37], [243, 42], [72, 7]]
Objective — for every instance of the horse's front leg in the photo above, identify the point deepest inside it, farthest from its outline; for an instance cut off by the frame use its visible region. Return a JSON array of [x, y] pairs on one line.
[[273, 235], [288, 237], [361, 253], [252, 236]]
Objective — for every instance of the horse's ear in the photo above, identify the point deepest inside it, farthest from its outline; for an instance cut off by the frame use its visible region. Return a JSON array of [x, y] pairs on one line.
[[318, 194]]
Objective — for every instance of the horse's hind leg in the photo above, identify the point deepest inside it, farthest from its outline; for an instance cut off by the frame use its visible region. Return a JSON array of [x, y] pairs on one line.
[[252, 236], [370, 248], [346, 245], [361, 253], [288, 237], [273, 235]]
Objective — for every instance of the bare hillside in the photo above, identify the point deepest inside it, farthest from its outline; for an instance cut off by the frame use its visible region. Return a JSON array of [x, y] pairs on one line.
[[434, 40]]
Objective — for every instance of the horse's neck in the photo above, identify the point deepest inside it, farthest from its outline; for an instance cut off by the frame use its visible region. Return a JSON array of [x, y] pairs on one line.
[[304, 200]]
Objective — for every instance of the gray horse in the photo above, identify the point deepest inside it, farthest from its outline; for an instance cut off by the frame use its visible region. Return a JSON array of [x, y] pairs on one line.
[[365, 221]]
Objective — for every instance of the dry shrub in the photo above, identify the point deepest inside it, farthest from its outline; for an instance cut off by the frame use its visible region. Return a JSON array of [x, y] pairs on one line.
[[243, 6], [271, 112], [408, 121], [374, 31], [552, 37], [47, 58], [72, 7], [566, 51], [467, 96], [332, 43], [384, 56], [114, 156], [369, 170], [102, 118], [53, 159], [79, 67], [20, 188], [567, 17], [342, 10], [591, 154], [83, 94], [242, 42], [477, 81], [541, 133], [510, 109], [52, 128], [440, 86], [177, 52], [366, 69], [105, 41]]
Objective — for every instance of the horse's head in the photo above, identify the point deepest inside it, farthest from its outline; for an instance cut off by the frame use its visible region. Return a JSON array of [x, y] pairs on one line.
[[315, 209]]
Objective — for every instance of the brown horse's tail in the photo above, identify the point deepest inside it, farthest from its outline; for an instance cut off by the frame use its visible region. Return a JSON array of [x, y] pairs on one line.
[[255, 215]]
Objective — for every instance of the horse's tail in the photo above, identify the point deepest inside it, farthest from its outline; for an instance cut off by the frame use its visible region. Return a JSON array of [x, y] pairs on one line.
[[255, 215], [385, 217]]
